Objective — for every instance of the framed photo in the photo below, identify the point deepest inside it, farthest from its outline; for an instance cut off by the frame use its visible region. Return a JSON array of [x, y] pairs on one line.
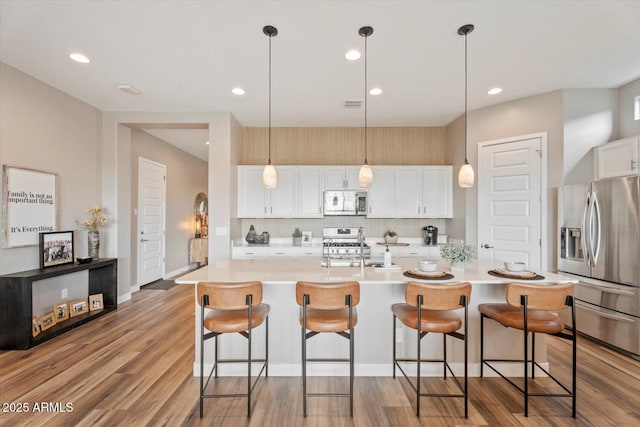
[[30, 205], [35, 326], [96, 302], [78, 307], [56, 248], [306, 238], [47, 321], [61, 310]]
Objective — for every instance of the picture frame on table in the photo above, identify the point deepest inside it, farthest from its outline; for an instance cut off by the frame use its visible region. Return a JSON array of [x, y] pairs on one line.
[[96, 302], [47, 321], [56, 248], [35, 326], [78, 307], [307, 237], [61, 310]]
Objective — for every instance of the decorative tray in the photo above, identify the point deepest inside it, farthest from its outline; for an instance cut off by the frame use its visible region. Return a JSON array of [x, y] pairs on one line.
[[522, 275], [431, 275]]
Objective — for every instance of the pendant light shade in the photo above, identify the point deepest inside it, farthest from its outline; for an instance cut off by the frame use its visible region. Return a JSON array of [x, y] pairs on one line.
[[365, 177], [466, 177], [269, 175]]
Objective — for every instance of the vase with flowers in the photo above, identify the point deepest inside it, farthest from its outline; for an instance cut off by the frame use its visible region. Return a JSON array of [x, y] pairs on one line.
[[457, 254], [93, 224]]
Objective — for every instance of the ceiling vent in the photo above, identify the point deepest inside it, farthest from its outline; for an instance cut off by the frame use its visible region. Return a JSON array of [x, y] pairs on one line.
[[129, 89], [352, 103]]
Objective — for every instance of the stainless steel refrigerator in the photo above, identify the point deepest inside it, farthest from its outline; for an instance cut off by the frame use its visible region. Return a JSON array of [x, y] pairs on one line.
[[599, 245]]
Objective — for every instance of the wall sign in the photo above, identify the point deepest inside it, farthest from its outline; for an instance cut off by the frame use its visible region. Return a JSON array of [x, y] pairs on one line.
[[30, 205]]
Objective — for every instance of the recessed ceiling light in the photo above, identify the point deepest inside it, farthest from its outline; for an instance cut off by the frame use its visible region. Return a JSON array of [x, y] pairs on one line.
[[129, 89], [237, 91], [494, 90], [78, 57], [207, 143], [375, 91], [352, 55]]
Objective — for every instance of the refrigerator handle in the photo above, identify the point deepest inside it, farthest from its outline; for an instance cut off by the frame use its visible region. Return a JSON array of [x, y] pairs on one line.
[[595, 240], [585, 231]]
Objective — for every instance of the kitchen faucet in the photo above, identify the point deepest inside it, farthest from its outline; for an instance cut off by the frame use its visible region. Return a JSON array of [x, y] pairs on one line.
[[361, 241]]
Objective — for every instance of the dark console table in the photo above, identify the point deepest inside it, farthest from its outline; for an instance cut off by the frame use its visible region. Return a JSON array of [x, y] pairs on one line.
[[16, 292]]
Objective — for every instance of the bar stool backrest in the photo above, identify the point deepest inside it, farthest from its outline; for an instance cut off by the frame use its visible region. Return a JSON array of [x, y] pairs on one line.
[[540, 297], [437, 297], [328, 296], [230, 296]]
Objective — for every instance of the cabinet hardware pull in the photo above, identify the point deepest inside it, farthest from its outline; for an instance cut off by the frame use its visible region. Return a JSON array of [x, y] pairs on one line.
[[248, 253], [633, 164], [424, 210], [279, 253]]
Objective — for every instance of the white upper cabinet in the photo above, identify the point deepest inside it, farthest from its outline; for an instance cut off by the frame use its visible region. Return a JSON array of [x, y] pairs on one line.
[[337, 177], [252, 201], [310, 182], [408, 192], [282, 200], [618, 158], [437, 192], [396, 192], [379, 199], [423, 192]]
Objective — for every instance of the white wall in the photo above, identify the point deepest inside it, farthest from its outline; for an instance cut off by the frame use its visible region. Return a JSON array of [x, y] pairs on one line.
[[589, 119], [45, 129], [627, 126], [186, 177]]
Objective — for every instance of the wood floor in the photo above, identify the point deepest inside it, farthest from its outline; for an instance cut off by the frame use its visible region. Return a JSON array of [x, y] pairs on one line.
[[133, 367]]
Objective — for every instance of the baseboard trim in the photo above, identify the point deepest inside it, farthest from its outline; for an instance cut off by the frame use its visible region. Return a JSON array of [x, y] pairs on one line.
[[124, 297], [177, 272]]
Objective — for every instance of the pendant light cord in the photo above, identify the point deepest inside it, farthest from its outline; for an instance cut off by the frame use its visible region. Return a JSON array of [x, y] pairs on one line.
[[366, 56], [270, 99], [466, 162]]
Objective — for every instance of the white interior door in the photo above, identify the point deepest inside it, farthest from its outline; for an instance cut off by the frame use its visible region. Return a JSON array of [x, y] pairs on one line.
[[510, 200], [151, 220]]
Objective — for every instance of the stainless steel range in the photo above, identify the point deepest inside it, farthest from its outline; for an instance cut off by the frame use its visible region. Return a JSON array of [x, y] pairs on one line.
[[344, 247]]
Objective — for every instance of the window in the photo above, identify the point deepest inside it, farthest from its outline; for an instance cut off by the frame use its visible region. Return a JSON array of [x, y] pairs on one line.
[[636, 108]]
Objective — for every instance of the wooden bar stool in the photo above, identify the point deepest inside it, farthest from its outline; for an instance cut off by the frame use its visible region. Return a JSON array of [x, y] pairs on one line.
[[233, 307], [533, 308], [429, 308], [327, 307]]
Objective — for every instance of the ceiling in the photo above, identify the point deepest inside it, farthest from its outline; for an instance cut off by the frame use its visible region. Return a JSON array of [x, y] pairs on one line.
[[188, 55]]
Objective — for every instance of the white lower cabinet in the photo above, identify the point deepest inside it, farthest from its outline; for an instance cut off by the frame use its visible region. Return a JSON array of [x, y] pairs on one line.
[[248, 252], [281, 252], [309, 252], [420, 252]]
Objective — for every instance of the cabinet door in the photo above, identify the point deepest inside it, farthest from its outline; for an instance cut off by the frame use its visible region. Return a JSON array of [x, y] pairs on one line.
[[251, 193], [334, 177], [380, 198], [248, 252], [283, 198], [351, 177], [281, 252], [618, 158], [309, 252], [437, 192], [407, 194], [310, 192]]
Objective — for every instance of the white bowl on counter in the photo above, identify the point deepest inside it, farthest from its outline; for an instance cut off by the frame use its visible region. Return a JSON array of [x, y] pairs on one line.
[[427, 265], [515, 266]]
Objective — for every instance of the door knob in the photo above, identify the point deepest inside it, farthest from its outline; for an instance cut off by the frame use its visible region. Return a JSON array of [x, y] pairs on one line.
[[487, 246], [144, 240]]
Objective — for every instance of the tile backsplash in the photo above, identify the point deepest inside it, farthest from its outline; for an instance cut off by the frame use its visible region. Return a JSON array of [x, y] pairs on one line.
[[373, 227]]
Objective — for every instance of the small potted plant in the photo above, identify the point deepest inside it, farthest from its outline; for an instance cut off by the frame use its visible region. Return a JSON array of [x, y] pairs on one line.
[[297, 237], [457, 254], [390, 236]]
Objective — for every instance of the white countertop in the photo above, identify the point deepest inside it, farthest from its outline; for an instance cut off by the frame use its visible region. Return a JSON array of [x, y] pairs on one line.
[[289, 270]]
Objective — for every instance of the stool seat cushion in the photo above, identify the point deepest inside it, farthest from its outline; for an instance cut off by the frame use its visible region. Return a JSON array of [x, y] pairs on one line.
[[439, 321], [538, 320], [328, 320], [226, 321]]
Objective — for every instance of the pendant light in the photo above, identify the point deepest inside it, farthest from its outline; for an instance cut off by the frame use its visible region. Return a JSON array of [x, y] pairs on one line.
[[466, 175], [269, 175], [365, 177]]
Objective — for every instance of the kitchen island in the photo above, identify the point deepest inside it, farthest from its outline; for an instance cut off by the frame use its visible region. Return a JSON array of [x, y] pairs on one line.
[[373, 332]]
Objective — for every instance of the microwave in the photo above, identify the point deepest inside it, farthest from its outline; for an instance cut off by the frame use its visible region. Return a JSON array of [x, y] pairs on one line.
[[345, 202]]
